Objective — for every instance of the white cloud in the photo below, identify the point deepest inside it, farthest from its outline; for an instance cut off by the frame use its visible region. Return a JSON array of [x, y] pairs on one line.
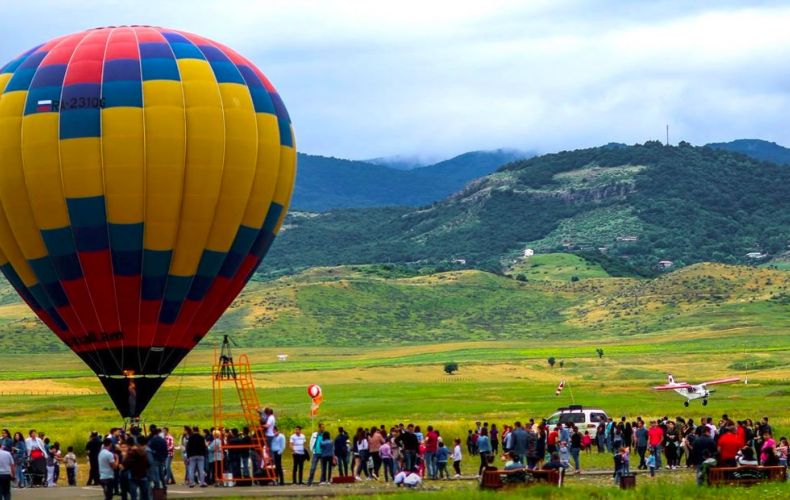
[[364, 79]]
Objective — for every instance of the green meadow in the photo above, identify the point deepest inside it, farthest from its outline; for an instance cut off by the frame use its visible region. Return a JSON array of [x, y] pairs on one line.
[[376, 339]]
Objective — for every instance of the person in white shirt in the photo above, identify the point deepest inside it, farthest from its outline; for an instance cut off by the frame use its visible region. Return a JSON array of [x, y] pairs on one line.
[[7, 471], [297, 441], [108, 462], [457, 457], [37, 453], [412, 480], [268, 422]]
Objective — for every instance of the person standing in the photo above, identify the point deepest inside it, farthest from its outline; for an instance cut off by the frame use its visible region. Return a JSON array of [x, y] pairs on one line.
[[655, 439], [171, 449], [196, 457], [408, 442], [494, 436], [184, 457], [641, 444], [363, 446], [374, 445], [20, 459], [385, 452], [431, 447], [37, 457], [315, 449], [71, 466], [215, 456], [327, 454], [107, 464], [277, 449], [341, 451], [268, 422], [159, 453], [484, 449], [7, 472], [532, 448], [136, 465], [442, 456], [518, 442], [457, 457], [576, 448], [297, 442]]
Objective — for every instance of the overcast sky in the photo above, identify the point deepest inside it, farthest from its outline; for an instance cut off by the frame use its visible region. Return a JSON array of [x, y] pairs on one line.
[[369, 78]]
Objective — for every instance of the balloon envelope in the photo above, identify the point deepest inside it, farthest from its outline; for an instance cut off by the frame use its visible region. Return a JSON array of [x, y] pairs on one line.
[[144, 173]]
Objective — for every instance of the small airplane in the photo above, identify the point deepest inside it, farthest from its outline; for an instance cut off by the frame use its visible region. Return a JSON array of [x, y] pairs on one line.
[[691, 392]]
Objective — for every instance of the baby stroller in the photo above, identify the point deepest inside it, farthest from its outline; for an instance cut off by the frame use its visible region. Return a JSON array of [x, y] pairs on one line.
[[36, 473]]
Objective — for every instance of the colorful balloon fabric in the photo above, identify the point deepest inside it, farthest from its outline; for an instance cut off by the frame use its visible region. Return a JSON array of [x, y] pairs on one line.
[[144, 173]]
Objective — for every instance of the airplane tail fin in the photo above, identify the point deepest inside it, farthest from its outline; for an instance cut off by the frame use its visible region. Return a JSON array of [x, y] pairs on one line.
[[670, 378]]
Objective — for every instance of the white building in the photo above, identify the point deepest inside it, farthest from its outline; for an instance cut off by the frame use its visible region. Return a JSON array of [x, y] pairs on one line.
[[528, 252], [755, 255], [282, 357]]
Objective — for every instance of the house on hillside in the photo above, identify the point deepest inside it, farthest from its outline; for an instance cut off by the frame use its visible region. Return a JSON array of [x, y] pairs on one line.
[[627, 238], [528, 252], [459, 261], [665, 264], [756, 255], [282, 357]]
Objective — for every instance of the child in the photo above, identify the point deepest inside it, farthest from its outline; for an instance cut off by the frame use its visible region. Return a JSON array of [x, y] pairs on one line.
[[53, 468], [781, 451], [587, 442], [565, 455], [619, 467], [71, 466], [457, 458], [442, 454], [704, 468], [627, 460], [650, 461]]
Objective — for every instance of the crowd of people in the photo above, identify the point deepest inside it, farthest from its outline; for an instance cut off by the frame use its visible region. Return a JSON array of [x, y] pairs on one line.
[[132, 464]]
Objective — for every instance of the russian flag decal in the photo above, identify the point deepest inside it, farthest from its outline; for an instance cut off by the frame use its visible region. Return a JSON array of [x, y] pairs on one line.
[[44, 105]]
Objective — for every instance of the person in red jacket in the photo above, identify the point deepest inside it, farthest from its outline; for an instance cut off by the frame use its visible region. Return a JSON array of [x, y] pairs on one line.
[[741, 433], [551, 441], [655, 438], [728, 445]]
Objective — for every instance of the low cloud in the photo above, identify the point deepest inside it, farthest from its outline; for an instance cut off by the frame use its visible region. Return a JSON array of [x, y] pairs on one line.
[[369, 79]]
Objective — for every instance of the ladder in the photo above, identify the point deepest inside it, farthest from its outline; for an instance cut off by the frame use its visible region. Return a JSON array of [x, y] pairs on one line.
[[226, 371]]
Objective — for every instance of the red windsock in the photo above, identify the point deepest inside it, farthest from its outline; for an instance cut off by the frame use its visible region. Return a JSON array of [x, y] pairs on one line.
[[560, 388]]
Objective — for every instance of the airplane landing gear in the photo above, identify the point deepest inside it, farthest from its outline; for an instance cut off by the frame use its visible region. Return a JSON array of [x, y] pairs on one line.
[[704, 402], [685, 403]]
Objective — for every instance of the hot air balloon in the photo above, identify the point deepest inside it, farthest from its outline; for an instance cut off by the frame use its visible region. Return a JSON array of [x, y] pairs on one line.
[[144, 173]]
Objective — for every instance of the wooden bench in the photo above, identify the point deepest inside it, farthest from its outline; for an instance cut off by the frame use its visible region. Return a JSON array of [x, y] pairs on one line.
[[746, 475], [495, 479]]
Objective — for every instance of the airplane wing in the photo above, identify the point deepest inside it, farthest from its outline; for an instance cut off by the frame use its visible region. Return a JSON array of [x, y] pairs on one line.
[[672, 387], [722, 381]]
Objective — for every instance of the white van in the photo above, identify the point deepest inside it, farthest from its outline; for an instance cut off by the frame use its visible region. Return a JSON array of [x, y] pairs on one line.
[[586, 418]]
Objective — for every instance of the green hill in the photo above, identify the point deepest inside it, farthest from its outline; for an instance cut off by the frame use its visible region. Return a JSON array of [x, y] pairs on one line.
[[635, 205], [392, 305], [757, 149], [323, 183]]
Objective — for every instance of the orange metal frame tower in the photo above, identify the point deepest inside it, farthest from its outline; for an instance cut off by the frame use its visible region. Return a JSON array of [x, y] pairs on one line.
[[226, 371]]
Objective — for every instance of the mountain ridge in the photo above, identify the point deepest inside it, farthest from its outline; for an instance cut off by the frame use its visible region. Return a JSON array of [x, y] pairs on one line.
[[638, 204], [324, 183]]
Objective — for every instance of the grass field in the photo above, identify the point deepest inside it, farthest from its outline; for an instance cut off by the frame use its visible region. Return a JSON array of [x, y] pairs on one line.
[[699, 323]]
